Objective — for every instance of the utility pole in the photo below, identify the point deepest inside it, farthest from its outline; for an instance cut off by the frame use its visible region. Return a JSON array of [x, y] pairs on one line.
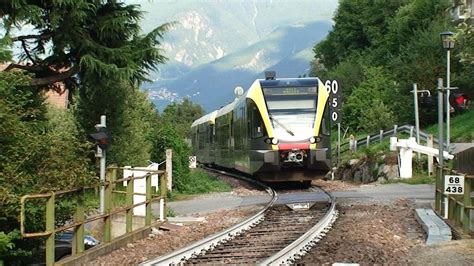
[[417, 116], [440, 137]]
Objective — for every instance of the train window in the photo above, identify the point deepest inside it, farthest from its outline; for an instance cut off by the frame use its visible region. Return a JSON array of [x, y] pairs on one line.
[[291, 109], [202, 139], [211, 133], [256, 123]]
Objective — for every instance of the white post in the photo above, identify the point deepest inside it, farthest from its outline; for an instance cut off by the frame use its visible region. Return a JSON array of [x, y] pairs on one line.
[[417, 118], [381, 135], [368, 141], [169, 168], [411, 132], [406, 156], [102, 169], [162, 210], [395, 127], [429, 143], [448, 106]]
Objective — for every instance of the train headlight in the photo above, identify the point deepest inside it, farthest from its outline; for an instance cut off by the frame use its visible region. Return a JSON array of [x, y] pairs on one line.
[[313, 140], [273, 141]]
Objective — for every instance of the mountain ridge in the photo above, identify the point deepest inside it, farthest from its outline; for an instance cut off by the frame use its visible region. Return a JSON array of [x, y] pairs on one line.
[[241, 68]]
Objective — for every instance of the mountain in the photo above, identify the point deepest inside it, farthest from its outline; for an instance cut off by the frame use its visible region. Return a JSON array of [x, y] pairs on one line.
[[287, 50], [205, 31]]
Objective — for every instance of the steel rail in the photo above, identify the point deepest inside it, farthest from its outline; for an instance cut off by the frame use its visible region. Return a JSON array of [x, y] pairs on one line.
[[210, 242], [303, 244]]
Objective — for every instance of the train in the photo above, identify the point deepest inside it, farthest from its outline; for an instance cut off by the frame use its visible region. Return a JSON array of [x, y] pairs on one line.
[[276, 131]]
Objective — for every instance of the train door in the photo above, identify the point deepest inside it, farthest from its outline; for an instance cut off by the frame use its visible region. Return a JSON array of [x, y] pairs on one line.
[[256, 132], [212, 136]]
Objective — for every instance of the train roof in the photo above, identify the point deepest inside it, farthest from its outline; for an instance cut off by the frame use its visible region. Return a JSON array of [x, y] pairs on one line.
[[208, 118], [228, 108], [284, 82]]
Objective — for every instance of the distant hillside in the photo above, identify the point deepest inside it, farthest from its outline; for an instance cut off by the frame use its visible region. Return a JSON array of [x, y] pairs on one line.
[[286, 50], [209, 30]]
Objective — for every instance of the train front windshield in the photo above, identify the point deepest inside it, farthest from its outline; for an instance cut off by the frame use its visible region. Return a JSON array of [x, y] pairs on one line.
[[292, 110]]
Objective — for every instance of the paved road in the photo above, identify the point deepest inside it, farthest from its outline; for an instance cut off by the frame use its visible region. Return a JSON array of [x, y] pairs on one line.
[[228, 201]]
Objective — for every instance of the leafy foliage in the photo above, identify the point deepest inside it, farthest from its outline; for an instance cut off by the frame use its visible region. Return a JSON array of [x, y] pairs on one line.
[[399, 38], [96, 38], [465, 39], [38, 147], [371, 113], [181, 115]]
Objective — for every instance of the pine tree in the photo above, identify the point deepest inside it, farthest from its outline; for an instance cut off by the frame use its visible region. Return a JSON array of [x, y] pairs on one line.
[[92, 38]]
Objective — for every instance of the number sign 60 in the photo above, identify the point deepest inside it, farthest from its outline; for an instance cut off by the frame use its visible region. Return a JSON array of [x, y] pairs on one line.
[[332, 86]]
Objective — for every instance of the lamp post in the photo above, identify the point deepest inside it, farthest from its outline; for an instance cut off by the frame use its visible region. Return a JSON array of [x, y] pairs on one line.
[[448, 44]]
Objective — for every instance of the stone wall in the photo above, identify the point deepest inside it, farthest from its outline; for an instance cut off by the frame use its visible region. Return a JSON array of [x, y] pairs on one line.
[[382, 167]]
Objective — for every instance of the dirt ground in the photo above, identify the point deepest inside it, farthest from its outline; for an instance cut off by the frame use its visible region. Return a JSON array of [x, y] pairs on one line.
[[369, 233], [163, 242]]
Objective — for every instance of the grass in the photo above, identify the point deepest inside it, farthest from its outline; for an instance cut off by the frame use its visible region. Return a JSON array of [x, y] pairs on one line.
[[200, 183], [417, 179], [462, 127]]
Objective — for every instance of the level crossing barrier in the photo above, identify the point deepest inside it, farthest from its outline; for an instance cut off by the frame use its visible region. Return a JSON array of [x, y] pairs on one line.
[[79, 217]]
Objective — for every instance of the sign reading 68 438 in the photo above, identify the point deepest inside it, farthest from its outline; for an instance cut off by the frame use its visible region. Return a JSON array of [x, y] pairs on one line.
[[335, 100]]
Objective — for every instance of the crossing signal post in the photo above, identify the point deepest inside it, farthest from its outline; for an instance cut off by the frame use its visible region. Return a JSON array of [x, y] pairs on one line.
[[102, 141]]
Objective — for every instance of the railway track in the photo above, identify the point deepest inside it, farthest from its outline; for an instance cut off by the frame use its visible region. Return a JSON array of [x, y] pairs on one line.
[[275, 235]]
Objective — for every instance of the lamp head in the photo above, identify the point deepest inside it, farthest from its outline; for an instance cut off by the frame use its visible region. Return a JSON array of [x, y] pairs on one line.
[[447, 39]]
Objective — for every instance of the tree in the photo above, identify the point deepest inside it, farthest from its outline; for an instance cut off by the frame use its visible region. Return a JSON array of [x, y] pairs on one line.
[[371, 96], [359, 25], [91, 38], [182, 115]]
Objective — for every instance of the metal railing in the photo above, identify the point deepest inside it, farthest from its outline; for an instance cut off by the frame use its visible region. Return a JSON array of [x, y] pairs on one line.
[[385, 134], [79, 217], [459, 206]]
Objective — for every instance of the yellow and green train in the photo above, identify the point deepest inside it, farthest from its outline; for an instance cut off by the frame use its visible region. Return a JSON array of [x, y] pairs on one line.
[[277, 131]]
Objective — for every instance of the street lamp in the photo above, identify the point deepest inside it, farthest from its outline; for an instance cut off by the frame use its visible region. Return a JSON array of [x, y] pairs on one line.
[[448, 44]]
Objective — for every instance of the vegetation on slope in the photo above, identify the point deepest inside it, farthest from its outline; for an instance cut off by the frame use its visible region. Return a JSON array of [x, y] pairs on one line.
[[378, 49]]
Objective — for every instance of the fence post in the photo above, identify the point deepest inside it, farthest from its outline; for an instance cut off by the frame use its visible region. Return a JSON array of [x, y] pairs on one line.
[[395, 127], [163, 191], [50, 228], [129, 203], [108, 206], [381, 135], [352, 143], [368, 141], [411, 131], [148, 199], [78, 239], [467, 203]]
